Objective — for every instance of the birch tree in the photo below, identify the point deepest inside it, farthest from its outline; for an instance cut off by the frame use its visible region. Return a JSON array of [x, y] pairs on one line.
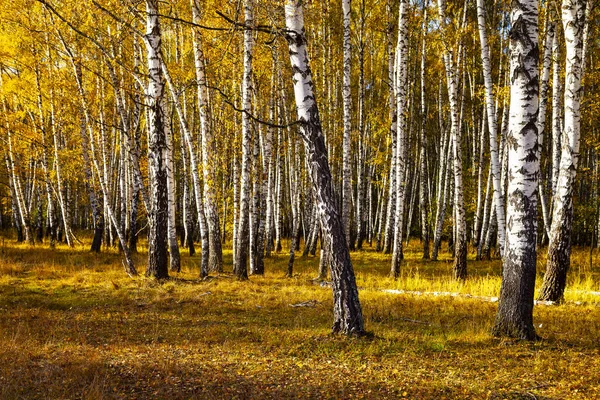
[[559, 249], [157, 149], [240, 266], [492, 124], [401, 91], [347, 140], [208, 150], [347, 311], [515, 309], [460, 256]]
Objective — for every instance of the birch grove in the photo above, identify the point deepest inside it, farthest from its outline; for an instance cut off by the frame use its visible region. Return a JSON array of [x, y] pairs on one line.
[[445, 134]]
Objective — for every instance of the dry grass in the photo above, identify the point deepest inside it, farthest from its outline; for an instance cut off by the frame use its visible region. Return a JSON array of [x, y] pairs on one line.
[[74, 326]]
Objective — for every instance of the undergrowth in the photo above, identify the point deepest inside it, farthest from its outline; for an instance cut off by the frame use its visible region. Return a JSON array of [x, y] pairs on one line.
[[75, 326]]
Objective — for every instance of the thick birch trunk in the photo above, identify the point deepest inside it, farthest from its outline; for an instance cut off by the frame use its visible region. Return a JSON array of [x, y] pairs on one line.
[[347, 310], [515, 309]]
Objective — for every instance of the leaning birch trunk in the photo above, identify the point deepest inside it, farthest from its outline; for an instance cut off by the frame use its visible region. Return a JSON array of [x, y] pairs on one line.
[[480, 167], [492, 126], [18, 189], [402, 109], [194, 164], [515, 308], [347, 141], [559, 249], [17, 221], [240, 264], [486, 217], [157, 150], [102, 175], [347, 311], [442, 184], [215, 260]]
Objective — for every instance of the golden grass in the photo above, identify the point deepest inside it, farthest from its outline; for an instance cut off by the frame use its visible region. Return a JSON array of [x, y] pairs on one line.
[[75, 326]]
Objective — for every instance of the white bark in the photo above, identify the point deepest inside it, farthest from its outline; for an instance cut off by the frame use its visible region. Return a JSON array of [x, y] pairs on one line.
[[492, 125], [347, 310], [556, 112], [174, 256], [347, 141], [541, 123], [240, 265], [208, 152], [157, 149], [460, 258], [559, 249], [401, 91], [515, 309]]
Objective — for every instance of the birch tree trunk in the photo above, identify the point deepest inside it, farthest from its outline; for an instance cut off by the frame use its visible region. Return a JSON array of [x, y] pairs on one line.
[[515, 308], [347, 140], [423, 193], [195, 166], [492, 125], [240, 265], [50, 217], [17, 221], [541, 123], [556, 112], [443, 183], [460, 257], [215, 250], [393, 111], [401, 68], [19, 196], [58, 170], [559, 249], [157, 150], [347, 311], [174, 256]]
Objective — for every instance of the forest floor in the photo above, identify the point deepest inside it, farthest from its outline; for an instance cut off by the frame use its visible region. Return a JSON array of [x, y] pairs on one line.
[[75, 326]]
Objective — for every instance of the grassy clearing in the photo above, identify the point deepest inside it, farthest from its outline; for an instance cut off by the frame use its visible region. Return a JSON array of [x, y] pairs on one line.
[[74, 326]]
